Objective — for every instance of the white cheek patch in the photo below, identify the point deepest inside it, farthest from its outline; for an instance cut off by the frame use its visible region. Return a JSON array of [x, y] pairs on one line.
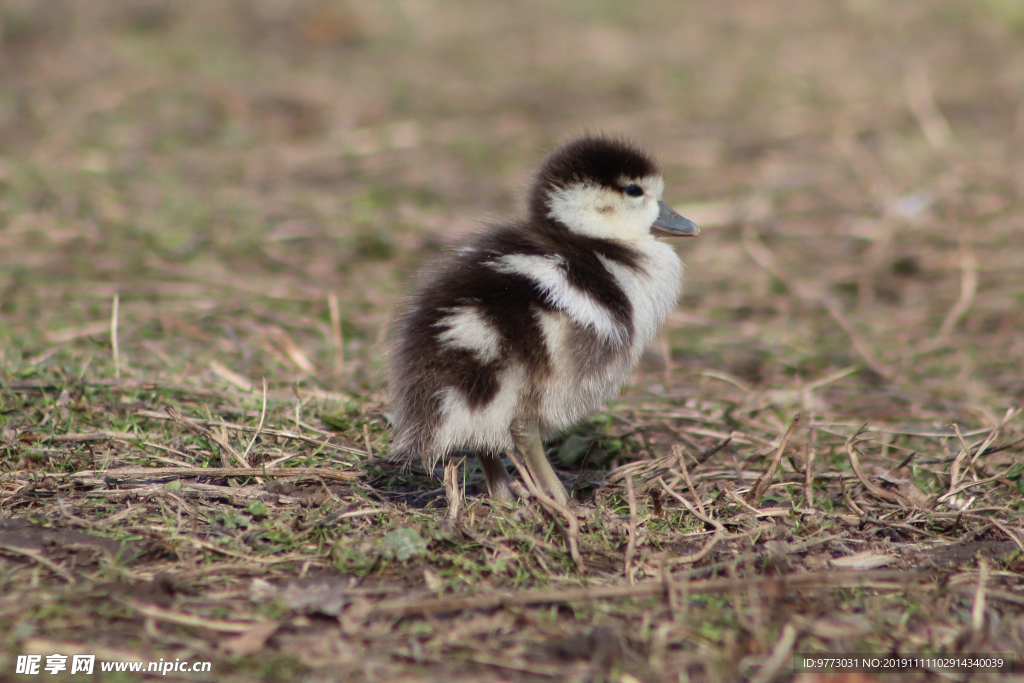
[[548, 273], [596, 211], [466, 328], [654, 185]]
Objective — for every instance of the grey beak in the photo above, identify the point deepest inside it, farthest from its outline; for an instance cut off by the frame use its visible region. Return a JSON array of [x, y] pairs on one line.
[[671, 224]]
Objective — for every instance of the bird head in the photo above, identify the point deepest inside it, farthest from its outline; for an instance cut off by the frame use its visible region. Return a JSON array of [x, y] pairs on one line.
[[606, 188]]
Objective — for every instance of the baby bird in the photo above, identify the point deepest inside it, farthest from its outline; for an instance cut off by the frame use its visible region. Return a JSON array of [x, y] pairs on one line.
[[533, 324]]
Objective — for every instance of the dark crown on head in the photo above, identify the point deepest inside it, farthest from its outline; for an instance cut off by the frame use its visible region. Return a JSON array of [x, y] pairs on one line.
[[592, 159]]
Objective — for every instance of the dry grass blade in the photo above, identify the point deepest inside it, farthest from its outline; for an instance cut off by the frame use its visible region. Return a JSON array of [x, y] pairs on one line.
[[259, 427], [760, 486], [971, 484], [968, 290], [760, 513], [858, 343], [226, 449], [366, 440], [765, 258], [872, 488], [336, 336], [115, 349], [555, 510], [719, 534], [88, 436], [677, 451], [1012, 535], [249, 642], [37, 557], [921, 100], [231, 377], [627, 562], [812, 452], [780, 655], [954, 468], [283, 433], [452, 491], [520, 666]]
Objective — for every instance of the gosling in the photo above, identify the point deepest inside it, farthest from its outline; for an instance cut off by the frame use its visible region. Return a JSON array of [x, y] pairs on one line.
[[533, 324]]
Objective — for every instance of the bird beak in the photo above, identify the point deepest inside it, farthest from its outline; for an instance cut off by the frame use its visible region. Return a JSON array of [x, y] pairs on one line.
[[671, 224]]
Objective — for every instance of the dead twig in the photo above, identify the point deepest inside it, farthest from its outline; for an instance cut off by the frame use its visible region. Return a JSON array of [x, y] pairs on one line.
[[704, 455], [978, 609], [882, 579], [182, 619], [143, 473]]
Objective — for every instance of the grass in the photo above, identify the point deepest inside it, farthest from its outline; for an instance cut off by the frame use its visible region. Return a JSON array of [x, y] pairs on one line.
[[255, 182]]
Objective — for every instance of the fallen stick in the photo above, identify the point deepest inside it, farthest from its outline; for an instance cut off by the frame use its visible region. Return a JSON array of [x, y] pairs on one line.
[[125, 473]]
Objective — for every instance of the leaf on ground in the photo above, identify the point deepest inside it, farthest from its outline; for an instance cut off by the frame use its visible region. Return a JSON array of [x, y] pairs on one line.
[[404, 544], [905, 485], [863, 560], [251, 642], [340, 420], [322, 596]]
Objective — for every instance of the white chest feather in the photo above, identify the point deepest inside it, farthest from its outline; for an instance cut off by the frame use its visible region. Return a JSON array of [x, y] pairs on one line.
[[585, 377], [652, 290]]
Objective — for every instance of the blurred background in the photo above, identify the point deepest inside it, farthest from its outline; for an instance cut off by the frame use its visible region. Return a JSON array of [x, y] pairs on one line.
[[226, 167]]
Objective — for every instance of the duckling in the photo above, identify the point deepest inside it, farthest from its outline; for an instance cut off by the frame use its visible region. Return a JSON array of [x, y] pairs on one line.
[[532, 324]]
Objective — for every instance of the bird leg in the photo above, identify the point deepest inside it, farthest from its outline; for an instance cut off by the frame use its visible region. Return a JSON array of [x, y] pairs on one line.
[[528, 443], [499, 484]]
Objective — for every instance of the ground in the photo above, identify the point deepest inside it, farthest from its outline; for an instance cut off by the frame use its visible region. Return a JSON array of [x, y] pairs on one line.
[[209, 212]]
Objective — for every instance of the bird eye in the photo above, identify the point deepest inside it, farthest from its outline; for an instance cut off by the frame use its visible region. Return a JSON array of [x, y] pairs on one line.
[[633, 190]]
